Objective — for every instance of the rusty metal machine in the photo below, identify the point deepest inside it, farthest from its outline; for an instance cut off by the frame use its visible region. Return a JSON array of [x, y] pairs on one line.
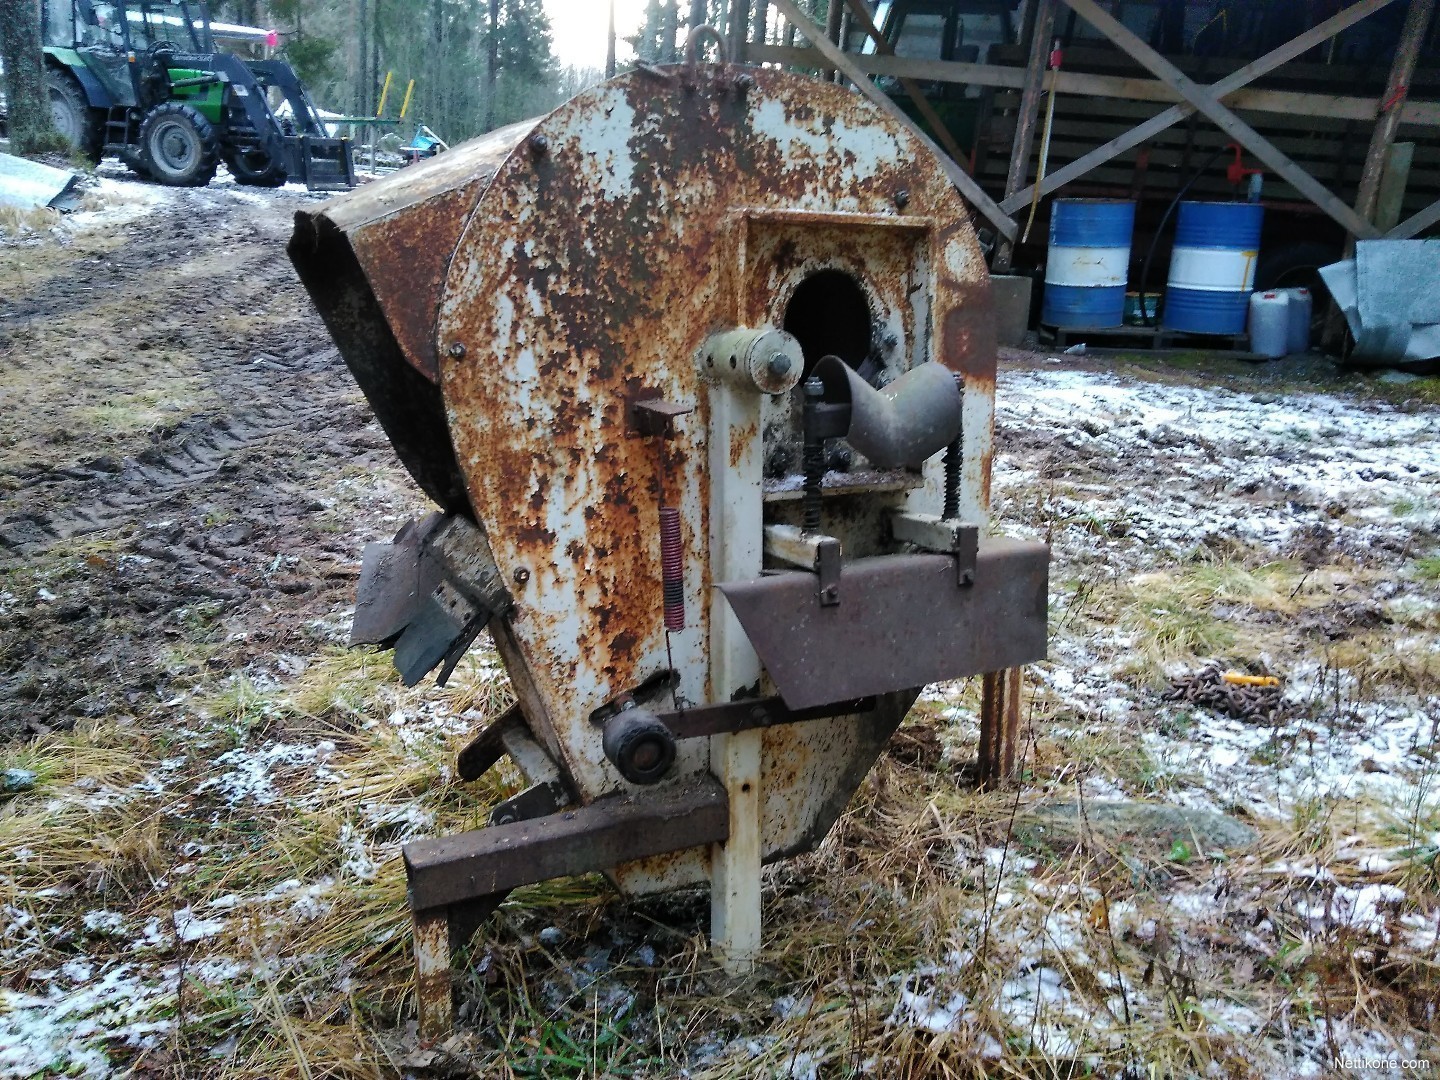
[[699, 371]]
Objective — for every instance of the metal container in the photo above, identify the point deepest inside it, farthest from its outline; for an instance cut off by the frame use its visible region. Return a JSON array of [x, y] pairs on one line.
[[1212, 270], [1301, 311], [1270, 323], [1088, 262]]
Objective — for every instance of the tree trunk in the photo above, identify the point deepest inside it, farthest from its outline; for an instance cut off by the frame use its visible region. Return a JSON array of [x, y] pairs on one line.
[[492, 61], [29, 104]]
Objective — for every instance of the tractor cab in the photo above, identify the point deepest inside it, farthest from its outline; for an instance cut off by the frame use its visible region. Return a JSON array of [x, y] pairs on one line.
[[143, 80]]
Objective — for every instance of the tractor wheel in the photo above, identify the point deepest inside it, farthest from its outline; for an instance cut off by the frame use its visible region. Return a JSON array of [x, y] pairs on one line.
[[133, 158], [254, 167], [72, 115], [179, 145]]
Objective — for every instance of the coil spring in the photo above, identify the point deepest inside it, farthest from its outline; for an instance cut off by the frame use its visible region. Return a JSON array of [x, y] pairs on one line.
[[672, 568]]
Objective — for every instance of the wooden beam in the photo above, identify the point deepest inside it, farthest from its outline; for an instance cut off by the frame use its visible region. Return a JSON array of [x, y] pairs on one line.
[[1289, 102], [917, 96], [1397, 87], [1251, 71], [1206, 102], [1389, 204], [845, 64], [1416, 224], [1042, 20], [833, 10]]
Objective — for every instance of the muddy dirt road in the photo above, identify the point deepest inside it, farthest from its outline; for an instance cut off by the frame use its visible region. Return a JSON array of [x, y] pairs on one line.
[[180, 445]]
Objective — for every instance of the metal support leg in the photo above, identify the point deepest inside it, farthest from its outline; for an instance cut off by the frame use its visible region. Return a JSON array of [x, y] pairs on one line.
[[999, 726], [736, 507], [434, 993]]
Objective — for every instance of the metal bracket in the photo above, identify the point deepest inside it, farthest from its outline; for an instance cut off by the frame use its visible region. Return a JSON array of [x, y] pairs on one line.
[[535, 801], [653, 415], [947, 536], [808, 551], [728, 717]]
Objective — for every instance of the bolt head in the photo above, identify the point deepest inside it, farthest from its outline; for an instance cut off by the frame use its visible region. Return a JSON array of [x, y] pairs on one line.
[[902, 199], [539, 144], [814, 387], [457, 351], [521, 575], [780, 365]]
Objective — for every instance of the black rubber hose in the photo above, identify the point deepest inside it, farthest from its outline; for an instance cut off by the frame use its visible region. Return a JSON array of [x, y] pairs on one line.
[[1160, 230]]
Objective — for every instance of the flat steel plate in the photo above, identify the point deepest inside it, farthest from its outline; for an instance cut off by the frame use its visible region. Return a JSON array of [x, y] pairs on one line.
[[902, 622]]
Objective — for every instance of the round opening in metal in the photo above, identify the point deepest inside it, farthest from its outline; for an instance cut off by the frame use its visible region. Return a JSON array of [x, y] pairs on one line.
[[830, 316]]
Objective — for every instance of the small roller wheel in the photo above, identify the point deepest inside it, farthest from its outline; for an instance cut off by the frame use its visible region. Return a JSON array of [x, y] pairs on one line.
[[639, 745]]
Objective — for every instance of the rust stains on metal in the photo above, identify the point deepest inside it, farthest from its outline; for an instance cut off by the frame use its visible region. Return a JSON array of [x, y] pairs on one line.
[[643, 216]]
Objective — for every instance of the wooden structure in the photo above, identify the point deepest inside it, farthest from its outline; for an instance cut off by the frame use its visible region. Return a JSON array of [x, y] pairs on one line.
[[1128, 121], [1132, 122]]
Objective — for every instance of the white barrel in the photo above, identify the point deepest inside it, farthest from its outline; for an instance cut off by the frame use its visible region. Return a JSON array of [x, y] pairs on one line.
[[1270, 323], [1301, 307]]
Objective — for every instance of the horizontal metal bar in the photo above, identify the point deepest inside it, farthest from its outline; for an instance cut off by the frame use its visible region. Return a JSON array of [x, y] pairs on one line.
[[728, 717], [610, 831]]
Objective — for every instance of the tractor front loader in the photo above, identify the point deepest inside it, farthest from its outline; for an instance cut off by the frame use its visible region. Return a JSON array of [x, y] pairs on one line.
[[143, 80]]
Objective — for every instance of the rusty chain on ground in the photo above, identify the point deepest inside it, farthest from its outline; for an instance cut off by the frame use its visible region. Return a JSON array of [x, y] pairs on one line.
[[1209, 688]]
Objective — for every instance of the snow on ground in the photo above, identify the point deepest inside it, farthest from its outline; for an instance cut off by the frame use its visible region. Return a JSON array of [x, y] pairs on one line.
[[1128, 477]]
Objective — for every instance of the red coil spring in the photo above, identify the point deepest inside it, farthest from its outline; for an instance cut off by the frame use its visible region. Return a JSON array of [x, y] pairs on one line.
[[672, 568]]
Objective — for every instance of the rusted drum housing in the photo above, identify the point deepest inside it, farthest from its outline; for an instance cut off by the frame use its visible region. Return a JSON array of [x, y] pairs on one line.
[[505, 305]]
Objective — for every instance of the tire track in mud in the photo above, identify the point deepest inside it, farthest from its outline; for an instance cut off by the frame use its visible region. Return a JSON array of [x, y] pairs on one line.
[[283, 379], [107, 492], [228, 514]]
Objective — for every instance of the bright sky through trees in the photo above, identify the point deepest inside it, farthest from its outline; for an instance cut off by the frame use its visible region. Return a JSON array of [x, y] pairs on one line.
[[578, 28]]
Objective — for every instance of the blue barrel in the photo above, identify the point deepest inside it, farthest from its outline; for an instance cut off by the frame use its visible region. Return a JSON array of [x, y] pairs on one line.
[[1088, 262], [1212, 271]]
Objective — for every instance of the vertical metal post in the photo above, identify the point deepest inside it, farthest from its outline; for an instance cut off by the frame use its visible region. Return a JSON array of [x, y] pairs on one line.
[[433, 991], [1019, 173], [999, 726], [736, 539]]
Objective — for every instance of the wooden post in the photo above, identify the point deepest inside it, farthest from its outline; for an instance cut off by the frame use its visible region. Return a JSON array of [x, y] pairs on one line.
[[1397, 88], [1043, 24], [1243, 77], [1205, 100], [1393, 181]]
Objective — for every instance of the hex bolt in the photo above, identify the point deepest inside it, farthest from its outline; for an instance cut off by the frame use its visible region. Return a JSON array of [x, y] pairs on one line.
[[539, 144], [780, 365], [902, 199], [521, 575], [457, 351]]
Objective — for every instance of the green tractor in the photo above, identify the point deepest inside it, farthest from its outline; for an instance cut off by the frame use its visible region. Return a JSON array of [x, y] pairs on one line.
[[142, 80]]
